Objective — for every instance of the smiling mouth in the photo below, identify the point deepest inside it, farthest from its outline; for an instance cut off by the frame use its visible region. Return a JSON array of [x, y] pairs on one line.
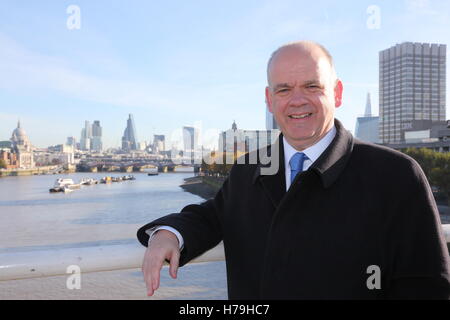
[[302, 116]]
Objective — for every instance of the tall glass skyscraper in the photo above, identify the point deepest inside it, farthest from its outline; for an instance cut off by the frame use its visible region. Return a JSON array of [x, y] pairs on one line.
[[411, 87], [91, 137], [129, 140], [270, 120], [86, 135], [96, 140]]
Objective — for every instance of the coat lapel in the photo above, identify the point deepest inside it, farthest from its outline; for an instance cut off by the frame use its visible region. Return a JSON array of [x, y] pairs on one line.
[[329, 165], [274, 185]]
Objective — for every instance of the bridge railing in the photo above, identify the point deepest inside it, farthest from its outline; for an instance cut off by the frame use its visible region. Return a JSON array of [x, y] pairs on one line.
[[38, 264]]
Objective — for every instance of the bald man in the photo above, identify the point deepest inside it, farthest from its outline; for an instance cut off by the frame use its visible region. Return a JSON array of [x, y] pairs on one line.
[[339, 219]]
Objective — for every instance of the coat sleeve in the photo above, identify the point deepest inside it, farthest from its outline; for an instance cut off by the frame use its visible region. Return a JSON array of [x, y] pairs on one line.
[[199, 224], [418, 253]]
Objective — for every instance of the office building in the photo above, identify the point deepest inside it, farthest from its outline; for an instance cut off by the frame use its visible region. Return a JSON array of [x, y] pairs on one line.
[[190, 139], [129, 139], [86, 135], [159, 143], [270, 120], [412, 80], [96, 140]]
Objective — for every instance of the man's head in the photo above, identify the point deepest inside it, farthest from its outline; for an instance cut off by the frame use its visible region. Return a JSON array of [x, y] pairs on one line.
[[303, 92]]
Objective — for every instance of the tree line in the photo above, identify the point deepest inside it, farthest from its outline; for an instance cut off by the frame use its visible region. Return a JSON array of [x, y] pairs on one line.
[[436, 166]]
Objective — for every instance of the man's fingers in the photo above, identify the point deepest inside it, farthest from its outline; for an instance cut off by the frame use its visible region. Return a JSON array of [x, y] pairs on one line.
[[155, 270], [147, 278], [164, 245], [174, 262]]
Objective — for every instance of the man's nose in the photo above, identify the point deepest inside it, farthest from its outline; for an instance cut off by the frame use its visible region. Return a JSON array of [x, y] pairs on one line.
[[298, 98]]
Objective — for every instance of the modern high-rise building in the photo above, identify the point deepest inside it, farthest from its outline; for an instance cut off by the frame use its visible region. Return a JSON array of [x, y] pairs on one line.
[[412, 80], [270, 120], [91, 137], [86, 135], [71, 141], [367, 126], [190, 139], [159, 143], [129, 139], [96, 140]]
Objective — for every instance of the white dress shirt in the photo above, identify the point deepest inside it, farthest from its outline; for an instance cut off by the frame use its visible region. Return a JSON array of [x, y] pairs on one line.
[[313, 153]]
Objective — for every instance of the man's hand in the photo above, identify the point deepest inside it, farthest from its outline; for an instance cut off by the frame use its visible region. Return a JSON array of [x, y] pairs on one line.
[[164, 245]]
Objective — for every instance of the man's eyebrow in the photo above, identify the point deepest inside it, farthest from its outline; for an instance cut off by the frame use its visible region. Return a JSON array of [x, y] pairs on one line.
[[289, 85], [281, 85], [309, 82]]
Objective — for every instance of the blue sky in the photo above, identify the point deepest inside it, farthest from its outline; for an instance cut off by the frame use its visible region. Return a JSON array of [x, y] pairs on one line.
[[184, 62]]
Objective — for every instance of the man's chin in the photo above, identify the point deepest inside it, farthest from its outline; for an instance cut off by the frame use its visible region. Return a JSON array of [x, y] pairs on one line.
[[300, 141]]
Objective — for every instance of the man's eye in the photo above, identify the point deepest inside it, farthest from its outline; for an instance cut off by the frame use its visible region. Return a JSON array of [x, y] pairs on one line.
[[282, 90]]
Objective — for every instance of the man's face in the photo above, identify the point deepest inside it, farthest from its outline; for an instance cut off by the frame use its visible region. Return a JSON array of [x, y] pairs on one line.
[[302, 95]]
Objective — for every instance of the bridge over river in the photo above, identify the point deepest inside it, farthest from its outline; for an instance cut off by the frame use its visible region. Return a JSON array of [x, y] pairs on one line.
[[136, 166]]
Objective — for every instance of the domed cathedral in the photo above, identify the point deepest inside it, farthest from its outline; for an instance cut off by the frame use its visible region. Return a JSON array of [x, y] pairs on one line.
[[21, 145]]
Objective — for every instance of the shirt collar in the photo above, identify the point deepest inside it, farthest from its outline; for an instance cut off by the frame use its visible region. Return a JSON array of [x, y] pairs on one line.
[[328, 166], [313, 152]]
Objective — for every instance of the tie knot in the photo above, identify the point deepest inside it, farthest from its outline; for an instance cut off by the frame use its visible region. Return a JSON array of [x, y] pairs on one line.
[[296, 161]]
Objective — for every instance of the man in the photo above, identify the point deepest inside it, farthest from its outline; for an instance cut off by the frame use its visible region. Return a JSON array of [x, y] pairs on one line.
[[340, 219]]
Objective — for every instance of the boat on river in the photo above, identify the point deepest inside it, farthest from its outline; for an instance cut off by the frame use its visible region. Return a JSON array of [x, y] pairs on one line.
[[88, 182], [64, 185]]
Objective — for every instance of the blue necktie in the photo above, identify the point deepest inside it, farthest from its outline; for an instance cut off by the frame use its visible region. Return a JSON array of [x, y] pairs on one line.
[[296, 164]]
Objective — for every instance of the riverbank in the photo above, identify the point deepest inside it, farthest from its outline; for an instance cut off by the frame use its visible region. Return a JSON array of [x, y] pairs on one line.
[[35, 171], [203, 186]]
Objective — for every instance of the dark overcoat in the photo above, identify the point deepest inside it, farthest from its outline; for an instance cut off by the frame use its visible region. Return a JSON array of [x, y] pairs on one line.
[[360, 223]]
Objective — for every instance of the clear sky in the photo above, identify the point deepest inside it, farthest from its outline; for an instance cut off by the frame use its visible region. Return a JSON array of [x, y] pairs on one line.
[[175, 63]]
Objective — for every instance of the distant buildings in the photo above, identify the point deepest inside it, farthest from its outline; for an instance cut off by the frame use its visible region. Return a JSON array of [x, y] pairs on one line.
[[22, 147], [91, 137], [367, 126], [412, 89], [7, 155], [96, 140], [18, 152], [239, 140], [270, 120], [190, 139], [129, 139], [72, 141], [61, 154], [435, 136], [159, 143]]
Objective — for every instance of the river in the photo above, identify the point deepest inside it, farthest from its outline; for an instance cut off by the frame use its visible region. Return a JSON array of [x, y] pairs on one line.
[[31, 219]]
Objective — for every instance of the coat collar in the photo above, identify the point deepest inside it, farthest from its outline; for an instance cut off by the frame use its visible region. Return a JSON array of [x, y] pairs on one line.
[[328, 166]]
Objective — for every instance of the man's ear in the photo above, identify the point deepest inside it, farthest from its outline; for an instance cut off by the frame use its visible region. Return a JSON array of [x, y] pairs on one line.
[[268, 100], [338, 90]]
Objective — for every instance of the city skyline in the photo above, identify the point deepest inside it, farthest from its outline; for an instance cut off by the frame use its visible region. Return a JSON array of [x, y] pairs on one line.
[[173, 74]]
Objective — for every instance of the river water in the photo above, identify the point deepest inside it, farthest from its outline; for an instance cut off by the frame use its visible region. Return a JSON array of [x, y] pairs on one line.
[[31, 219]]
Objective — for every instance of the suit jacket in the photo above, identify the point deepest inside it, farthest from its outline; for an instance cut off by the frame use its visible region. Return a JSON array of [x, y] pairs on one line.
[[361, 213]]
